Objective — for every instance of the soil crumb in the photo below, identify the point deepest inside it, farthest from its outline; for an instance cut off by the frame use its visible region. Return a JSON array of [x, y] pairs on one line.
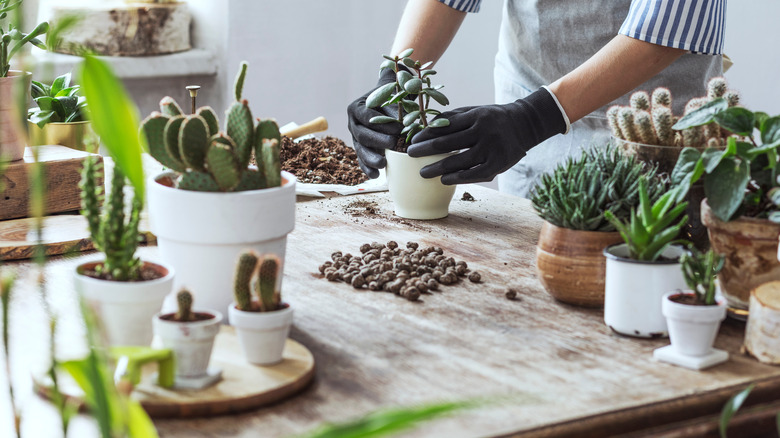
[[326, 160], [362, 208], [467, 197]]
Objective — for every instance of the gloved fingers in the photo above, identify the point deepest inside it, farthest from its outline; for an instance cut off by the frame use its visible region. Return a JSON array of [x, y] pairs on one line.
[[460, 119], [369, 137], [480, 173], [454, 163], [358, 114], [370, 171], [438, 141], [370, 158]]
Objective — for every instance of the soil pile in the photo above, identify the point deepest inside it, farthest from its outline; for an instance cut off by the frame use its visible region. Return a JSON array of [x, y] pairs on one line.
[[326, 160]]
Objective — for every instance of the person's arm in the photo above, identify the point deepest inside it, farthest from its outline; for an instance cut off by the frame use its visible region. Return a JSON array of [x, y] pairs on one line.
[[428, 27], [619, 67]]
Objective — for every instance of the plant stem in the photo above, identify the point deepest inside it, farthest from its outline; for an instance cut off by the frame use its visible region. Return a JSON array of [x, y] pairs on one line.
[[398, 90], [423, 115]]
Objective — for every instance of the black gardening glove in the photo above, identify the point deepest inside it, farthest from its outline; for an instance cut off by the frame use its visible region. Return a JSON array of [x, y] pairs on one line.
[[371, 139], [494, 138]]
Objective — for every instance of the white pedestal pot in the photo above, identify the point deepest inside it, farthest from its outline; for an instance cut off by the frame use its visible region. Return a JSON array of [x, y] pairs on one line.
[[262, 334], [125, 308], [201, 234], [634, 288], [191, 341], [692, 329], [415, 197]]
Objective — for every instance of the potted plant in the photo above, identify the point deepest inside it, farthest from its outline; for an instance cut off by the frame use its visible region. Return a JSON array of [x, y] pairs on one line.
[[263, 324], [414, 197], [61, 115], [737, 182], [572, 200], [190, 335], [693, 317], [641, 270], [14, 85], [212, 204]]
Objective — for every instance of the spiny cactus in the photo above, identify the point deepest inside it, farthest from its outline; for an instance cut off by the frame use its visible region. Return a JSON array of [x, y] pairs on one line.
[[650, 120], [267, 273], [208, 159], [112, 233], [267, 270], [245, 270], [184, 303]]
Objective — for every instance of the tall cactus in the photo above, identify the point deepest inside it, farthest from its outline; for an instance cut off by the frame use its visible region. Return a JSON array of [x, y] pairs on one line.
[[267, 270], [242, 289], [184, 304], [267, 274], [208, 159]]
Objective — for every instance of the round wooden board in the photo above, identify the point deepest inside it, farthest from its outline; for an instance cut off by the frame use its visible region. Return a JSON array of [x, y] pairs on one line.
[[243, 386]]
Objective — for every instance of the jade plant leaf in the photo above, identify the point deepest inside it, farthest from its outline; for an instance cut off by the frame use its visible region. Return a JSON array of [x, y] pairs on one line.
[[439, 123], [438, 97], [382, 119], [380, 95], [413, 85], [406, 53]]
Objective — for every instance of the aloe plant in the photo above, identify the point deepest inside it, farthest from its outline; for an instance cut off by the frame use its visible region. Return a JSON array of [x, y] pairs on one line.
[[699, 270]]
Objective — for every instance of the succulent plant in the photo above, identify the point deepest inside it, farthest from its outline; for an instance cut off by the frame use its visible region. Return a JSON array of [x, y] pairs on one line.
[[184, 303], [58, 102], [112, 233], [699, 270], [267, 270], [211, 160], [12, 40], [649, 120], [578, 192]]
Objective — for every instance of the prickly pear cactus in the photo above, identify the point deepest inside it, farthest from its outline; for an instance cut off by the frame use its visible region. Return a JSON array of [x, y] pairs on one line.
[[194, 142], [251, 179], [169, 107], [198, 182], [153, 129], [240, 129], [266, 283], [210, 117], [242, 289], [223, 165]]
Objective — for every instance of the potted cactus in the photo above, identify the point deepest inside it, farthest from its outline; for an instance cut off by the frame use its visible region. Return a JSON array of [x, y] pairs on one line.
[[61, 115], [413, 196], [263, 324], [190, 335], [572, 200], [644, 268], [693, 317], [212, 204]]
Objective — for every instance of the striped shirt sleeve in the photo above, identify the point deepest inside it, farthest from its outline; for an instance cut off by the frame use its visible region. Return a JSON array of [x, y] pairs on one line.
[[463, 5], [693, 25]]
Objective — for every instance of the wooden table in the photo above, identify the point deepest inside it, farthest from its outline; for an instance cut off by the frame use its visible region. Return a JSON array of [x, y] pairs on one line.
[[566, 372]]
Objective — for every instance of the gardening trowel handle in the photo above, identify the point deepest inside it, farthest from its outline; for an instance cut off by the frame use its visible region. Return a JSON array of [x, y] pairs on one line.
[[316, 125]]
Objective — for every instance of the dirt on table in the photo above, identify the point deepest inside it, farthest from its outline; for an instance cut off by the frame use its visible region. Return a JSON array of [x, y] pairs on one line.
[[326, 160]]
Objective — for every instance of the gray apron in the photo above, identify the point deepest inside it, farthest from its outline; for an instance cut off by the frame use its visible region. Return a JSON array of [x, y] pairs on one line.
[[543, 40]]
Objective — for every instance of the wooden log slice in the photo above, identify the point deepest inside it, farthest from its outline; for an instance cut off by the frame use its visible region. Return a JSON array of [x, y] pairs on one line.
[[762, 335]]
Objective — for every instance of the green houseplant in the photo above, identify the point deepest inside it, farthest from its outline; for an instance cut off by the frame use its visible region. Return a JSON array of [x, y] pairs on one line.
[[641, 270], [572, 200], [248, 206], [61, 116], [413, 197]]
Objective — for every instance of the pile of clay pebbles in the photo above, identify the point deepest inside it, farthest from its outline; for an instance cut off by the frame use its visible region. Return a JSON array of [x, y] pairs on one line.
[[406, 272]]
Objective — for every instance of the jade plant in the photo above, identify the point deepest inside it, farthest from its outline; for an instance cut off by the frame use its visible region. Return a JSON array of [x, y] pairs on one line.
[[651, 227], [113, 232], [12, 40], [412, 91], [699, 270], [649, 118], [57, 103], [578, 192], [207, 159], [266, 271]]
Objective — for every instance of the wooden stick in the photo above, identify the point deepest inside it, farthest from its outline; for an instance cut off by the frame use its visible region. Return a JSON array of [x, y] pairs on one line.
[[317, 125]]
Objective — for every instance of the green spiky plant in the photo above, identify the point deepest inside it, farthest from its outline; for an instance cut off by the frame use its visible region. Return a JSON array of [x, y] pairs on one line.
[[209, 160], [699, 270], [413, 79], [267, 271], [651, 227], [184, 306], [577, 193]]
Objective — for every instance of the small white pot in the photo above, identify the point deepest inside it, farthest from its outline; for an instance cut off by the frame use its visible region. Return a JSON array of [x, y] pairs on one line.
[[415, 197], [191, 342], [201, 234], [634, 288], [262, 334], [125, 308], [692, 329]]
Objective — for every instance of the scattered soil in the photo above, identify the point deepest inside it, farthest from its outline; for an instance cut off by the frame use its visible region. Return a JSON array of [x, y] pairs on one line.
[[148, 273], [467, 197], [325, 160], [362, 208], [198, 317]]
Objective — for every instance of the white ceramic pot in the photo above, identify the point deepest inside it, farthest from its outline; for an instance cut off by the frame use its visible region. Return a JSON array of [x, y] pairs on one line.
[[262, 334], [201, 234], [415, 197], [633, 291], [692, 329], [125, 308], [191, 342]]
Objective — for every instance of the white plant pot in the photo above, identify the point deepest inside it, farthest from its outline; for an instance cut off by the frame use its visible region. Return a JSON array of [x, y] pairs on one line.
[[415, 197], [262, 334], [191, 342], [692, 329], [201, 234], [633, 291], [125, 308]]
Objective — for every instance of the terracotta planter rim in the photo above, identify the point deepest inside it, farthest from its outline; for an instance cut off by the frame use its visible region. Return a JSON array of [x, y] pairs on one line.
[[287, 180], [608, 254], [165, 271]]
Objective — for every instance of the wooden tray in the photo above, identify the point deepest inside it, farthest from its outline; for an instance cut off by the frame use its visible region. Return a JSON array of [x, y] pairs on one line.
[[243, 386]]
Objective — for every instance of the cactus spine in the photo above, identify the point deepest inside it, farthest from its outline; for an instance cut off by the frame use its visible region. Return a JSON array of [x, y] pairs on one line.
[[266, 283], [184, 302], [208, 159]]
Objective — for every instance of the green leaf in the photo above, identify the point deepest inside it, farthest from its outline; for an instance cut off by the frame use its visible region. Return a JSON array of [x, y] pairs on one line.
[[38, 89], [426, 65], [380, 95], [703, 115], [408, 62], [65, 105], [396, 98], [711, 158], [41, 29], [760, 118], [411, 118], [426, 73], [770, 130], [68, 92], [438, 97], [413, 86], [45, 103], [41, 118], [731, 407], [387, 63], [389, 58], [411, 127], [409, 105], [60, 83], [725, 187], [402, 77], [686, 163], [736, 119], [114, 119], [382, 119], [406, 53], [439, 123]]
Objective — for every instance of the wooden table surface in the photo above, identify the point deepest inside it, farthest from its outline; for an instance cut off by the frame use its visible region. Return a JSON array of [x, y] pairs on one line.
[[565, 372]]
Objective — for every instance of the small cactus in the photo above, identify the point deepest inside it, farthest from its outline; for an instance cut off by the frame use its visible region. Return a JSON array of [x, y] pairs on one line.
[[662, 97], [626, 122], [242, 290], [268, 270], [644, 127], [640, 101], [184, 302], [267, 274], [663, 120]]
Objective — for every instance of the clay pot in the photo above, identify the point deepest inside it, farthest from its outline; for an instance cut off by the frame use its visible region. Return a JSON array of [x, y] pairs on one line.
[[570, 263], [750, 247], [13, 138]]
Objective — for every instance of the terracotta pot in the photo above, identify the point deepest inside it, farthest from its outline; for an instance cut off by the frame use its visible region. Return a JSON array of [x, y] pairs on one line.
[[750, 247], [13, 136], [570, 263]]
